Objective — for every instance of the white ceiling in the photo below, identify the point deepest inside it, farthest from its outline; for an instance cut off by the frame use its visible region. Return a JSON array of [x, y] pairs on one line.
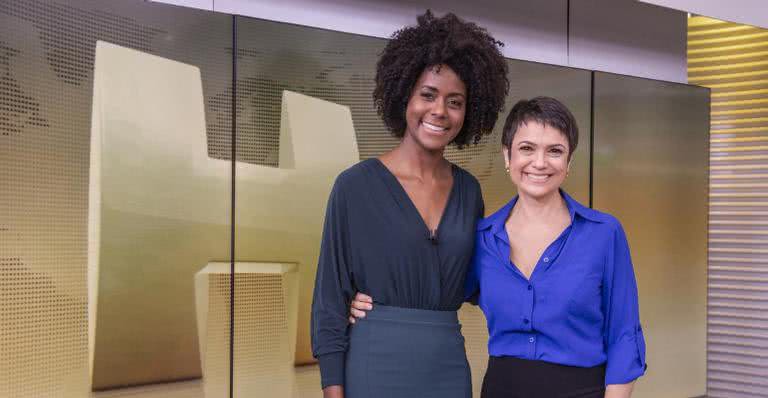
[[750, 12]]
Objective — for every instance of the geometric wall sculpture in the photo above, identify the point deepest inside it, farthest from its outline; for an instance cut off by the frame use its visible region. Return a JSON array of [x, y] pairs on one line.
[[157, 214], [280, 211], [160, 209], [265, 328]]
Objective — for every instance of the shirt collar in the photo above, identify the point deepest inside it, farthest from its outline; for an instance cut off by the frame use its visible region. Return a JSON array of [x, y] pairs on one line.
[[495, 222]]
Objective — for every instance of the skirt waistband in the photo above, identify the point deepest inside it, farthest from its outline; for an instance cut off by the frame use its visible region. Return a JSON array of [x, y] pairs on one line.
[[412, 315]]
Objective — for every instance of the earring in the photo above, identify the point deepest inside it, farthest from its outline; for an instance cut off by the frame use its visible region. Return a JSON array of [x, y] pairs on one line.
[[507, 169]]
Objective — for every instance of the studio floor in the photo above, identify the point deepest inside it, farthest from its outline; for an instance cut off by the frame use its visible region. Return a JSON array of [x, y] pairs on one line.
[[307, 385]]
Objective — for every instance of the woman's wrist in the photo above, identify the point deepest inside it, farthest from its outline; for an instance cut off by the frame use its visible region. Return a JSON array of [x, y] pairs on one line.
[[619, 390]]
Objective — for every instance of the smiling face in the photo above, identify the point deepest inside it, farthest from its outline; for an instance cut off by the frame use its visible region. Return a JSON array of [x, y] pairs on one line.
[[537, 159], [436, 108]]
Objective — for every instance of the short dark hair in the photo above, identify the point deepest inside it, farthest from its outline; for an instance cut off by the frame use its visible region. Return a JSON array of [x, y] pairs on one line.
[[464, 47], [547, 111]]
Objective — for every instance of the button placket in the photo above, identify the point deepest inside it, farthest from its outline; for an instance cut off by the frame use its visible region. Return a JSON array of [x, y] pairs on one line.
[[532, 347], [528, 314]]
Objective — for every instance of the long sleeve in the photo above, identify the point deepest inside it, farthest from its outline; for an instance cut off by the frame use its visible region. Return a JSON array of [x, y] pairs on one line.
[[623, 335], [333, 291], [472, 280]]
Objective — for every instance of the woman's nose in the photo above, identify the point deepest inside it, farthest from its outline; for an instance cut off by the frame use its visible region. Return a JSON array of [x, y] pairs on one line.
[[438, 108]]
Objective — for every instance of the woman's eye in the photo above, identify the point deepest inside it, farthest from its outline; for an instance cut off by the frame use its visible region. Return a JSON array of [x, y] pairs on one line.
[[455, 103], [556, 151], [526, 148], [428, 96]]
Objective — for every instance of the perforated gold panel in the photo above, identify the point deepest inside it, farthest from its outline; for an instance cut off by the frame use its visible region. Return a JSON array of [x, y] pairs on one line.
[[46, 64]]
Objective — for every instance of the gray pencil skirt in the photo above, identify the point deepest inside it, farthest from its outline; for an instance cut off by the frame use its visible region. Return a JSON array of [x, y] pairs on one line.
[[404, 353]]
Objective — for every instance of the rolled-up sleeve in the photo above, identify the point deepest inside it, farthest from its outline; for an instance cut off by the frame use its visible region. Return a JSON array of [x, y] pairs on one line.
[[623, 335], [333, 291]]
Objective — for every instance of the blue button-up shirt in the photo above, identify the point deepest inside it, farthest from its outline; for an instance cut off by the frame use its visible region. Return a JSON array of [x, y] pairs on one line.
[[579, 307]]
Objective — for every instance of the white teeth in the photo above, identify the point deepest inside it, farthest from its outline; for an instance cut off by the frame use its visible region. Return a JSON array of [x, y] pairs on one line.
[[537, 177], [433, 127]]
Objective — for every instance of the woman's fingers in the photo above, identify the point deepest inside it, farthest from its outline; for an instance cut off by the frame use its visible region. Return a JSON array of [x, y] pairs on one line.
[[357, 313], [363, 297], [360, 305]]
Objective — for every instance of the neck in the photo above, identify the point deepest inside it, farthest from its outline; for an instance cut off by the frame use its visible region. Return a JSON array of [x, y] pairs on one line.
[[412, 159], [540, 209]]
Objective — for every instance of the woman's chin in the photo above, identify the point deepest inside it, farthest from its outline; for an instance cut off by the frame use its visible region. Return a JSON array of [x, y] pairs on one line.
[[537, 191], [434, 144]]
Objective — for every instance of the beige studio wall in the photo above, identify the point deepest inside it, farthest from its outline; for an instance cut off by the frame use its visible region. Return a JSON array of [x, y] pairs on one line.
[[131, 286]]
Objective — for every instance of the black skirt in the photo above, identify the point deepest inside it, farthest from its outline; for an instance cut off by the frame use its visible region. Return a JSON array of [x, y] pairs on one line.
[[509, 377], [407, 353]]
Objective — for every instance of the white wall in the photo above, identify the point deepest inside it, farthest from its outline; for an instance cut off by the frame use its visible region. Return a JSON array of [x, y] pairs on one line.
[[620, 36], [750, 12]]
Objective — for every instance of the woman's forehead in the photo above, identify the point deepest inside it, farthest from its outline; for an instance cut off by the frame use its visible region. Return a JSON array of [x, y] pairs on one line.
[[537, 132]]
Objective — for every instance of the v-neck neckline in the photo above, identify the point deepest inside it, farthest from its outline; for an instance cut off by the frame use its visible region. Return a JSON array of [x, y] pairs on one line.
[[564, 234], [404, 197]]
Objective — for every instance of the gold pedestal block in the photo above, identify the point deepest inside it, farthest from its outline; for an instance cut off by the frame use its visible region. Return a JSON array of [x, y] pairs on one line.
[[266, 309]]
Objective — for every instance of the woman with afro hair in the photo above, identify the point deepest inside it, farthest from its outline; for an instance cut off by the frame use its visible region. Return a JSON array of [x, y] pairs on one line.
[[401, 227]]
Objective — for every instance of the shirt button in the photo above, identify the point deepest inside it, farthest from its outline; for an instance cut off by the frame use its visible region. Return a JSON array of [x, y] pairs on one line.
[[530, 287], [546, 259], [531, 340], [526, 321]]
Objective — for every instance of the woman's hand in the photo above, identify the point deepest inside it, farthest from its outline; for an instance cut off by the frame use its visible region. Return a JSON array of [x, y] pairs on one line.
[[359, 306], [333, 392], [619, 390]]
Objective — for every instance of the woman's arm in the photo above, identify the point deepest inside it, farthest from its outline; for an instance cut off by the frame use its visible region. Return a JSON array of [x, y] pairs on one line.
[[333, 290], [619, 390], [622, 334]]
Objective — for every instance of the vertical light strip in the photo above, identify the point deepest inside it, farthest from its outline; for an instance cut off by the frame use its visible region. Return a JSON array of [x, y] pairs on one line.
[[732, 60]]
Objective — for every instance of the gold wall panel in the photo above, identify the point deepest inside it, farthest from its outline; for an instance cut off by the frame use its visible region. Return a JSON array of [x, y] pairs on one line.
[[732, 60], [47, 50], [167, 200], [650, 171]]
